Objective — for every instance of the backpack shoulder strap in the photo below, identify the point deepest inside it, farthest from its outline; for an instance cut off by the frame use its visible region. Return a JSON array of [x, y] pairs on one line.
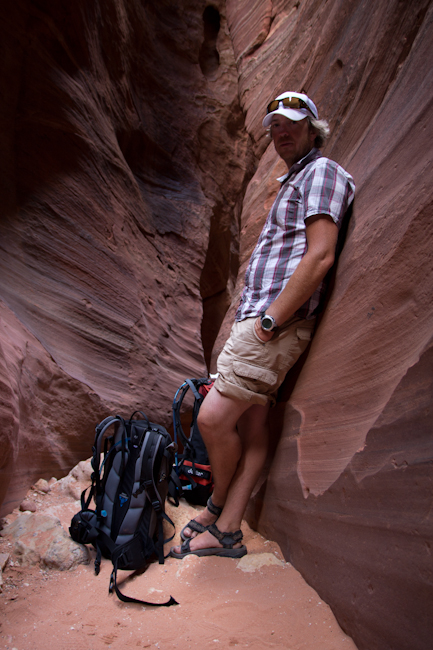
[[194, 385], [177, 403], [147, 478], [100, 430], [151, 451]]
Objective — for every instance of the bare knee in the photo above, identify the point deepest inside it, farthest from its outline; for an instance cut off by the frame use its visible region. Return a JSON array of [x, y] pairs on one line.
[[204, 422], [218, 417], [212, 423]]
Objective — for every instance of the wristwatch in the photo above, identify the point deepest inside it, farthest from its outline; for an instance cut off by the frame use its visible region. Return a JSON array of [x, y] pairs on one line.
[[268, 323]]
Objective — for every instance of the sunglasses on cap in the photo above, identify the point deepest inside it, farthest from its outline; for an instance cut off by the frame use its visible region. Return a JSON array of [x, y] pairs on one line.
[[287, 102]]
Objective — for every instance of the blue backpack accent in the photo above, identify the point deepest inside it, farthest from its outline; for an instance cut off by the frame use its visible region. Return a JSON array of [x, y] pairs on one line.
[[129, 489]]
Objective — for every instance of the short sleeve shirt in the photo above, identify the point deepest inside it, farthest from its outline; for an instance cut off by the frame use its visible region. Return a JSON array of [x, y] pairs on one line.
[[314, 185]]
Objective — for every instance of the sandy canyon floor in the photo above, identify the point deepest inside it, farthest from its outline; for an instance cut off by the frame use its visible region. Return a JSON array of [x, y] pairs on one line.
[[257, 602]]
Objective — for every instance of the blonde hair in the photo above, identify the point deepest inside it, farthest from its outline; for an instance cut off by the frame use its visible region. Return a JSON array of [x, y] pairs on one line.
[[321, 129]]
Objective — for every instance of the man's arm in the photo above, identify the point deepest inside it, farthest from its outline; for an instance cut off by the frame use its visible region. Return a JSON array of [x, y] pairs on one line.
[[322, 234]]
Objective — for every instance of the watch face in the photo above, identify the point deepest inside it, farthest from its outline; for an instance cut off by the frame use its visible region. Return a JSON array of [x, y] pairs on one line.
[[267, 323]]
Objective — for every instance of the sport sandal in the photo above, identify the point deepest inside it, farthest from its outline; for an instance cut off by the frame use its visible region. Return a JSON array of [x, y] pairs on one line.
[[228, 540], [197, 526], [215, 510]]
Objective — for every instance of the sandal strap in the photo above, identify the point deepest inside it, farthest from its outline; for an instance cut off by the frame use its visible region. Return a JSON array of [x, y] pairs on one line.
[[227, 539], [215, 510], [185, 546], [196, 526]]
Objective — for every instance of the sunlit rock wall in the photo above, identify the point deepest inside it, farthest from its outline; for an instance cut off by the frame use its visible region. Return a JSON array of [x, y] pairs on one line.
[[349, 489]]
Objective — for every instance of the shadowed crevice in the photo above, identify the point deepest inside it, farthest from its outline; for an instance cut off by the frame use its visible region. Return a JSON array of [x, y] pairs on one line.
[[209, 57]]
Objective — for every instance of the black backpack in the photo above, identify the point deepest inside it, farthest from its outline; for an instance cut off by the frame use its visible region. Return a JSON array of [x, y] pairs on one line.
[[192, 466], [129, 489]]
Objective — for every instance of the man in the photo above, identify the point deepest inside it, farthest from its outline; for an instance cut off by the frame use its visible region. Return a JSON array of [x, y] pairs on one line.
[[284, 284]]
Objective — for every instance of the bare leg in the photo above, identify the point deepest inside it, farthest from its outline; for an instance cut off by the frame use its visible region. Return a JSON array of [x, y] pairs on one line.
[[237, 456], [254, 434], [217, 420]]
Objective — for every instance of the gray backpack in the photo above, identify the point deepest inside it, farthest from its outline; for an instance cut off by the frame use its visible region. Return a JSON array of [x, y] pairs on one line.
[[129, 489]]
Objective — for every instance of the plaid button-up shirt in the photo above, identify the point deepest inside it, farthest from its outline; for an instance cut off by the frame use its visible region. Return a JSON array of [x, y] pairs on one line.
[[314, 185]]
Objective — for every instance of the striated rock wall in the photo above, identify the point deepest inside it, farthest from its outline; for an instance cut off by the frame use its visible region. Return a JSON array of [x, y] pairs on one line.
[[123, 148], [347, 492], [135, 179]]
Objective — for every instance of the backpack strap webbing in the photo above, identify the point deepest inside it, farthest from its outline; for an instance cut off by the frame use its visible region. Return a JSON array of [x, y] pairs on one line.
[[129, 599]]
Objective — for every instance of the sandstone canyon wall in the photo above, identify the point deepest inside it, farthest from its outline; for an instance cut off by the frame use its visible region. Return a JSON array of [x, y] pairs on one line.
[[349, 488], [123, 148], [135, 177]]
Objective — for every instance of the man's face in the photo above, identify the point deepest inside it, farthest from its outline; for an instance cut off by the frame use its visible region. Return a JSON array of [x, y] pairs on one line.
[[292, 140]]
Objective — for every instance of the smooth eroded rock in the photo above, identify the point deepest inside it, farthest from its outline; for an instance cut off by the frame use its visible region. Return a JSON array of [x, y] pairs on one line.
[[41, 539]]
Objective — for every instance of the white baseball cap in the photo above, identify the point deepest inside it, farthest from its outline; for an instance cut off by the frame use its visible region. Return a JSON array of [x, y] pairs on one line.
[[294, 106]]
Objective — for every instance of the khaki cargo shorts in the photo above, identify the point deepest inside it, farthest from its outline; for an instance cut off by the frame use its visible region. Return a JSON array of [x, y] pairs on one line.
[[251, 370]]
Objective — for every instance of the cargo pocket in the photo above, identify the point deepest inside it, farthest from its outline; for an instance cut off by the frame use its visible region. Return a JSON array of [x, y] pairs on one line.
[[255, 376], [304, 333]]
